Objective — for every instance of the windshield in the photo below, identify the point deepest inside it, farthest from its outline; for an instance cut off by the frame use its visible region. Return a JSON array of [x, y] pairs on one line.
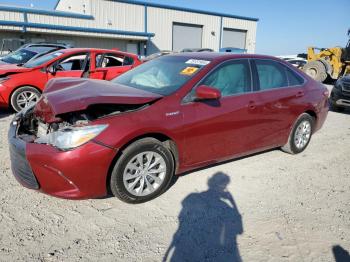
[[42, 60], [162, 76], [19, 57]]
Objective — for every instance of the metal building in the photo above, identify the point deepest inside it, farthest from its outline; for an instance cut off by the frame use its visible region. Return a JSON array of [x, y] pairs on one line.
[[133, 26]]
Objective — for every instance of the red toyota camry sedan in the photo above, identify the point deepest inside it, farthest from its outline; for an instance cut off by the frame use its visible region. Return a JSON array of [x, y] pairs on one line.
[[21, 85], [167, 116]]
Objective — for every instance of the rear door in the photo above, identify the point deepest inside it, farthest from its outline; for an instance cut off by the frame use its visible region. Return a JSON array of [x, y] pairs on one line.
[[110, 65], [278, 100]]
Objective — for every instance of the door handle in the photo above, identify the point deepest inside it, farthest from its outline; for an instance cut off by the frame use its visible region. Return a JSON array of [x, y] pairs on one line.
[[251, 105], [300, 94]]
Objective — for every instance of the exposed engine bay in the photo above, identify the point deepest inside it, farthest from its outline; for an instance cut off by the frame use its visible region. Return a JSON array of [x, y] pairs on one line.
[[33, 129]]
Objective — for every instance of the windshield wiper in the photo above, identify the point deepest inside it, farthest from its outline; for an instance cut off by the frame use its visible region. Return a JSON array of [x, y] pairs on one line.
[[20, 64]]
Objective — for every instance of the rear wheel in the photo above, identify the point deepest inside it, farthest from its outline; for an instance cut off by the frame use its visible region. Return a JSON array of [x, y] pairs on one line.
[[23, 97], [143, 171], [316, 70], [300, 135]]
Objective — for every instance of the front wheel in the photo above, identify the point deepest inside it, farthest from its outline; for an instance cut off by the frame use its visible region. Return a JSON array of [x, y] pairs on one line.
[[143, 171], [23, 97], [300, 135]]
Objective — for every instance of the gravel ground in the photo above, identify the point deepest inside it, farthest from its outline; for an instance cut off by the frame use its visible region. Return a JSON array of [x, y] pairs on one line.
[[270, 207]]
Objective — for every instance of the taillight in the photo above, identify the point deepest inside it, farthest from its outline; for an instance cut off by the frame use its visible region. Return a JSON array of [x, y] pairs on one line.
[[326, 93]]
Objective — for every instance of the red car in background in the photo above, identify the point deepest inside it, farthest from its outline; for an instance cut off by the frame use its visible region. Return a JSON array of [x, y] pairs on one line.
[[22, 85]]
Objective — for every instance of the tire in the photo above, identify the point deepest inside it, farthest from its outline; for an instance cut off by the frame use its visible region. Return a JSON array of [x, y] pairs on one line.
[[294, 147], [316, 70], [24, 96], [127, 177]]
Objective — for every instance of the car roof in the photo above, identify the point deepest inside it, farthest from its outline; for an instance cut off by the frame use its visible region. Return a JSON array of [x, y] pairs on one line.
[[221, 56], [74, 50], [45, 45], [40, 49]]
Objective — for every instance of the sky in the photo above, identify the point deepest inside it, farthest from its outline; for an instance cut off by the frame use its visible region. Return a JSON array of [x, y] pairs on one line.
[[285, 26]]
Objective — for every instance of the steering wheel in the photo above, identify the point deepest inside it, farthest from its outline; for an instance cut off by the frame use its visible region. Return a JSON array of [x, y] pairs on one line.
[[59, 68]]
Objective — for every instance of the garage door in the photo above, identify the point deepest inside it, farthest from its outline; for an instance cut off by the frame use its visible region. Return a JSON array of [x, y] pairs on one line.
[[186, 36], [234, 38]]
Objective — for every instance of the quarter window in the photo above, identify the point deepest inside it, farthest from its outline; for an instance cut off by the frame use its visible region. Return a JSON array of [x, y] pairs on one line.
[[230, 79], [293, 78]]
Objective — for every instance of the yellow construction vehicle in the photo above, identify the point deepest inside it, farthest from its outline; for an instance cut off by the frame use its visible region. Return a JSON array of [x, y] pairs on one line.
[[328, 62]]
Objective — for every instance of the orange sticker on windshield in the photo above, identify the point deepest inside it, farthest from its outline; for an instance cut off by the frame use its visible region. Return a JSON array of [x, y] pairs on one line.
[[189, 70]]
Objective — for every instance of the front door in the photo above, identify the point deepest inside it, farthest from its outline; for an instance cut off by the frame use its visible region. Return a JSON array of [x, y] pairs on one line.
[[215, 130], [70, 66]]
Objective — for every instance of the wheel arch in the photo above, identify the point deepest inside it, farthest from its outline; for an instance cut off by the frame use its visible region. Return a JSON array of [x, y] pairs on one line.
[[313, 114], [167, 141]]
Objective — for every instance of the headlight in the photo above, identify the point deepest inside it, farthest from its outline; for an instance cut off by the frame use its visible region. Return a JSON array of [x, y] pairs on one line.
[[4, 79], [70, 138]]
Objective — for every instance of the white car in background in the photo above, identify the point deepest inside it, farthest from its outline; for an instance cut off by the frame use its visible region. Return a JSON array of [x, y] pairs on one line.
[[295, 60], [298, 62]]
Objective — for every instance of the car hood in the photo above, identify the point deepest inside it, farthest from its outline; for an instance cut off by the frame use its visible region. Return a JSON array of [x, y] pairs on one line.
[[6, 69], [65, 95], [346, 78]]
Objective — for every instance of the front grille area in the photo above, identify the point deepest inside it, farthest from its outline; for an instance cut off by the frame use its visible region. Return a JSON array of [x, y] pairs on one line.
[[19, 163], [346, 86]]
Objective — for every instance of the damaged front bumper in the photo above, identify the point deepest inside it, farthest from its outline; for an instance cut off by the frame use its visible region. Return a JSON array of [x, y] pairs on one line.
[[76, 174], [19, 163]]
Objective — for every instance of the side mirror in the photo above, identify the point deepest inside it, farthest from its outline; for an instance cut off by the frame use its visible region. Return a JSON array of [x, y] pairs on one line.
[[207, 93], [51, 69]]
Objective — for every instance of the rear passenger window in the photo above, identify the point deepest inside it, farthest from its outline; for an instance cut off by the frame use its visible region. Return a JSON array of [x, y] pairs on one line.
[[232, 78], [271, 74], [112, 60]]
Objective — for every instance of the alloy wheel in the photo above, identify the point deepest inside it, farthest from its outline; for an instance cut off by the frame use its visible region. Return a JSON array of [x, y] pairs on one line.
[[26, 98], [144, 173], [302, 134]]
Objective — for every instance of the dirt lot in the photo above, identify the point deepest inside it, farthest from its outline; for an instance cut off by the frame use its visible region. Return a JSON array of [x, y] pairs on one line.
[[287, 208]]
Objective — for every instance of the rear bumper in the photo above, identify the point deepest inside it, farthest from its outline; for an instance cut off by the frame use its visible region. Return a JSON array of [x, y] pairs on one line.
[[77, 174]]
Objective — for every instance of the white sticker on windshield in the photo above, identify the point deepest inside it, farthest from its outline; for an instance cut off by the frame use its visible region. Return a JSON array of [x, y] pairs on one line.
[[197, 62]]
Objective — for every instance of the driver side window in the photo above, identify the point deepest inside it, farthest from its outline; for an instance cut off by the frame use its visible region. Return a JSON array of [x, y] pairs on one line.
[[231, 78], [72, 63]]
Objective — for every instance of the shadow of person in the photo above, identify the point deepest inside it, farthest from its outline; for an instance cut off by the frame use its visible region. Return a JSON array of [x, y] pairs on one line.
[[340, 254], [209, 223]]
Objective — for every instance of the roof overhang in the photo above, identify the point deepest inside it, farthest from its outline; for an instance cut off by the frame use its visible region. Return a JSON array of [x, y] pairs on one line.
[[198, 11], [26, 25]]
